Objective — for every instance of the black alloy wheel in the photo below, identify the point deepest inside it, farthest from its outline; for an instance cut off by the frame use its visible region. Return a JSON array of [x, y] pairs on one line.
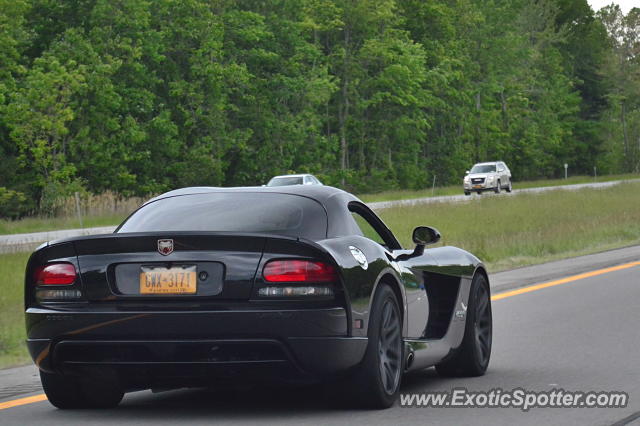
[[483, 325], [390, 347], [375, 383]]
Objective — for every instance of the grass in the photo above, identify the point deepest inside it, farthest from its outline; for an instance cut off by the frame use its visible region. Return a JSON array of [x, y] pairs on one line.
[[13, 350], [109, 210], [457, 189], [37, 224], [524, 229]]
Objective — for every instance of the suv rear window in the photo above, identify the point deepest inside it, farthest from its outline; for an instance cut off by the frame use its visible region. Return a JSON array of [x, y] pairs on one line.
[[270, 213]]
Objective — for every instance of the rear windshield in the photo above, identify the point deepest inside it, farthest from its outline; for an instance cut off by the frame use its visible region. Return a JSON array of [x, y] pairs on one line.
[[285, 181], [270, 213]]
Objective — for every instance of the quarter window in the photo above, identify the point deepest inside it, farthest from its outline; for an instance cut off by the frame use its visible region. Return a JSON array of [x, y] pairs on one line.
[[366, 229]]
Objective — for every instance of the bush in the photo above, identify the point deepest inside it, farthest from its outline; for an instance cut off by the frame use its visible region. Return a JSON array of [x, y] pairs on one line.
[[13, 204]]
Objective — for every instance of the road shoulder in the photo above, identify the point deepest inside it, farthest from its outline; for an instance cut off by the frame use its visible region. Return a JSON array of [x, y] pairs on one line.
[[543, 272]]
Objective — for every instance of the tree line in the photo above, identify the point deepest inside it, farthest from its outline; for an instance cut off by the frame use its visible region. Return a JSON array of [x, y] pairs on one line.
[[142, 96]]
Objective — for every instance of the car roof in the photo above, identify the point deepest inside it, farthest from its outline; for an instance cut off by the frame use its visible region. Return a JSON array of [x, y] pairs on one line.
[[488, 163], [286, 176]]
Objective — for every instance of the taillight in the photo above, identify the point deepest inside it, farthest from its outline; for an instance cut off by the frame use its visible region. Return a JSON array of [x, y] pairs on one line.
[[56, 274], [299, 271]]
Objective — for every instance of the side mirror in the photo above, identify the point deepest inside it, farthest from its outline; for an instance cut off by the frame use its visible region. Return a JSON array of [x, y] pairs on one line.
[[467, 172], [425, 235], [422, 236]]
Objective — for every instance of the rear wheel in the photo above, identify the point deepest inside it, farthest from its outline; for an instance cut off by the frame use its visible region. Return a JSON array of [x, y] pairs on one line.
[[472, 357], [376, 382], [467, 193], [509, 187], [67, 392]]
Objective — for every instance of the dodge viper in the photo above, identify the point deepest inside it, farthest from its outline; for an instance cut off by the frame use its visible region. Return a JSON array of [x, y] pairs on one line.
[[216, 286]]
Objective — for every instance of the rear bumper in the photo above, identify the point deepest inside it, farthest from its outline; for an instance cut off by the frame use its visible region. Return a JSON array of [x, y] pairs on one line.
[[301, 344]]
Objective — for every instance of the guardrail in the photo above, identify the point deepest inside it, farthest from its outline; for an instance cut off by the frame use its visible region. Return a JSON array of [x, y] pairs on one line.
[[26, 242]]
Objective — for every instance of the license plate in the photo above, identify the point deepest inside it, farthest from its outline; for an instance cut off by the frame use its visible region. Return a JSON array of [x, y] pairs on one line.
[[175, 280], [477, 186]]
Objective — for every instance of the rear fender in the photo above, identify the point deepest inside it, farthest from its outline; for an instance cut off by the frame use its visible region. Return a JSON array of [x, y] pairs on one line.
[[360, 280]]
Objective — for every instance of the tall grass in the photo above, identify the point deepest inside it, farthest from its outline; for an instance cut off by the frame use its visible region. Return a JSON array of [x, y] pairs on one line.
[[13, 350], [103, 209], [105, 204], [525, 228], [110, 209]]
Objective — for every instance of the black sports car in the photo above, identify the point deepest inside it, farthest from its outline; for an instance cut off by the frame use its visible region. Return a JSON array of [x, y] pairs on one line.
[[207, 286]]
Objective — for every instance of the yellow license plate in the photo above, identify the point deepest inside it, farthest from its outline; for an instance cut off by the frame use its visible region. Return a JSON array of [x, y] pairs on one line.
[[175, 280], [477, 186]]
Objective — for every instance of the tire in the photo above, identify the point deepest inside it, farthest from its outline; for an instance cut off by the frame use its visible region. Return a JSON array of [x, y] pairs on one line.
[[467, 193], [376, 381], [67, 392], [472, 357], [497, 188], [509, 187]]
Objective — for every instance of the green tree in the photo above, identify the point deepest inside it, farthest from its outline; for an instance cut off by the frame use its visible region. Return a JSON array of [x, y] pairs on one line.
[[38, 115], [142, 96], [14, 38], [622, 123]]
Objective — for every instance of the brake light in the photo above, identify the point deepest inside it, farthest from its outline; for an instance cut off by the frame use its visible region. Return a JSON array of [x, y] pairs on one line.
[[301, 271], [56, 274]]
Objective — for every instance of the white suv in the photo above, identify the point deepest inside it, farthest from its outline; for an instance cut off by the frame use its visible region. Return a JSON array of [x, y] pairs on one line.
[[493, 176], [285, 180]]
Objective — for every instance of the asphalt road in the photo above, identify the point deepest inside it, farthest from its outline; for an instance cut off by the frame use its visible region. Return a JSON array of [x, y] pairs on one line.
[[578, 334], [26, 242]]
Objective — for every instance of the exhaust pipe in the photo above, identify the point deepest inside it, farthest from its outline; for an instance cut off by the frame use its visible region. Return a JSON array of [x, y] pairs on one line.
[[409, 361]]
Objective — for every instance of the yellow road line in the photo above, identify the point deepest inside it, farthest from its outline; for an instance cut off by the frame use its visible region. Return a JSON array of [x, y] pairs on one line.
[[23, 401], [504, 295], [536, 287]]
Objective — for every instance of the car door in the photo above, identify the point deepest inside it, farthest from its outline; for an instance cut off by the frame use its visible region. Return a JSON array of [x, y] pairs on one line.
[[411, 272]]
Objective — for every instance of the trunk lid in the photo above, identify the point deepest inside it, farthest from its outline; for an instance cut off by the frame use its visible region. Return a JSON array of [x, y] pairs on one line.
[[224, 266]]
